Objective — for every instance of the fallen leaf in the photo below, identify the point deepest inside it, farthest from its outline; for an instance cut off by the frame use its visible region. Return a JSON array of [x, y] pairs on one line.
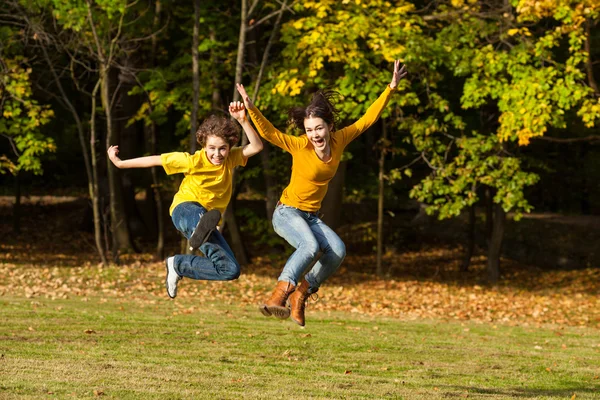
[[89, 331], [347, 372]]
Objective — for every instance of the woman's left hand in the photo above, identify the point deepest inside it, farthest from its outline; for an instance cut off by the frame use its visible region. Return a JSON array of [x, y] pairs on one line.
[[399, 73]]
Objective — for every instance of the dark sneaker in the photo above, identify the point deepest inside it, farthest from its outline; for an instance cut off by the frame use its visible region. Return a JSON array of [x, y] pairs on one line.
[[208, 223], [172, 277]]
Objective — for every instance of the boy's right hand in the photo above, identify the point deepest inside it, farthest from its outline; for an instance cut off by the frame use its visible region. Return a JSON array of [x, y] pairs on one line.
[[245, 97], [112, 155]]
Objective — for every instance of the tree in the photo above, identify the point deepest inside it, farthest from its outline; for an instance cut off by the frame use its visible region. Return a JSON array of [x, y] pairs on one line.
[[22, 116]]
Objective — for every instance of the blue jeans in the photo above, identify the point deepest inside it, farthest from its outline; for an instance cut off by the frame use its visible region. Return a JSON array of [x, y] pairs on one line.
[[219, 263], [308, 234]]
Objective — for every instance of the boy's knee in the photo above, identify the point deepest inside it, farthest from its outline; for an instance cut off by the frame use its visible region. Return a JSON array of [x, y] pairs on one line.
[[231, 273]]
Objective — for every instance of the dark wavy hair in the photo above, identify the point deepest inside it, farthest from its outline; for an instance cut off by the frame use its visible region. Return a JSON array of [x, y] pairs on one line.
[[221, 127], [322, 105]]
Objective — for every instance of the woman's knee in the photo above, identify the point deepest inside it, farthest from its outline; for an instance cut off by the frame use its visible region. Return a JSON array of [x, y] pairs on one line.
[[338, 248], [309, 247]]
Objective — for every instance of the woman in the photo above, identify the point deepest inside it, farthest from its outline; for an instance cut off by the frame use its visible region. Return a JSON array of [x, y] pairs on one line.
[[316, 157]]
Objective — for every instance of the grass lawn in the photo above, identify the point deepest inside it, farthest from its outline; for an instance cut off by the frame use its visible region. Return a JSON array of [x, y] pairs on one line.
[[149, 347]]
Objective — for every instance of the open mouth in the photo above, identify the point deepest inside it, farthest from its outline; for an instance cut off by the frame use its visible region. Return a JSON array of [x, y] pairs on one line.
[[319, 142]]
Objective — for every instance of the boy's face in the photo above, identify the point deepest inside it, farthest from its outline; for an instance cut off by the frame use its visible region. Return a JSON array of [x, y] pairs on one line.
[[217, 150]]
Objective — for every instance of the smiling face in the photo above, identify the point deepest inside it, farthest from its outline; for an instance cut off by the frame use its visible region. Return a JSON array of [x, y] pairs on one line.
[[317, 132], [217, 149]]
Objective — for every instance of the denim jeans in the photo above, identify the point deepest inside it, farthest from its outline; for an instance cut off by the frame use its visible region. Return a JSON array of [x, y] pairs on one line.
[[308, 234], [219, 263]]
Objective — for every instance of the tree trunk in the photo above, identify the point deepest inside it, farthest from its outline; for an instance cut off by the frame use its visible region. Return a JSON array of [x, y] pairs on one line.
[[93, 184], [589, 65], [470, 240], [380, 201], [270, 181], [121, 239], [17, 205], [489, 215], [160, 226], [216, 101], [331, 207], [195, 77], [92, 181], [131, 143], [495, 249], [237, 244], [239, 62]]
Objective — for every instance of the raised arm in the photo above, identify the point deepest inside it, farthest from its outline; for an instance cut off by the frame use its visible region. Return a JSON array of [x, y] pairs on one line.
[[255, 145], [374, 111], [398, 74], [140, 162], [266, 129]]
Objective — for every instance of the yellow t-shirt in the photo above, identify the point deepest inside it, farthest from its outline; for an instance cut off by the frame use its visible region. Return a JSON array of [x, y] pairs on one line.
[[203, 182], [310, 175]]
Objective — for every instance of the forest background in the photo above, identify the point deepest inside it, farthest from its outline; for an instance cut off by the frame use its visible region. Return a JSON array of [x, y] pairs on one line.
[[497, 118]]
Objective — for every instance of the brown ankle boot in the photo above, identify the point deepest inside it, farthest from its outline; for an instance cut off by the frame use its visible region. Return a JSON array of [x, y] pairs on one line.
[[276, 305], [298, 302]]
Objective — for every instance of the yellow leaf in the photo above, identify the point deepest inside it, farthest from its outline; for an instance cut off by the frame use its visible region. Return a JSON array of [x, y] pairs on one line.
[[512, 32]]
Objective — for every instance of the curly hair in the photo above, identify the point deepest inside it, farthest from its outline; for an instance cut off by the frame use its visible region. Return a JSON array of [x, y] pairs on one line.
[[321, 106], [221, 127]]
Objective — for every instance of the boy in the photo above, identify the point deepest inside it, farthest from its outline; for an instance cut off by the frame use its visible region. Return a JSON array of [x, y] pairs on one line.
[[203, 195]]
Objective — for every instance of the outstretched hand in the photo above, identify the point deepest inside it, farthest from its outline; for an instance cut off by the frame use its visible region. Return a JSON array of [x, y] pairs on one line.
[[237, 111], [113, 151], [245, 97], [399, 73]]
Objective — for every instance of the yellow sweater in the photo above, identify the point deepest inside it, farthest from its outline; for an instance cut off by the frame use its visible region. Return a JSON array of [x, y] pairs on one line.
[[203, 182], [310, 175]]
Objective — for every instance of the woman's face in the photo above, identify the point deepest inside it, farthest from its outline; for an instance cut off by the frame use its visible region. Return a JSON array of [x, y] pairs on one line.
[[216, 149], [317, 131]]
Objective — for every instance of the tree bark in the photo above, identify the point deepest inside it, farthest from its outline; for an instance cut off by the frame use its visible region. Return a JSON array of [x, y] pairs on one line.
[[270, 181], [495, 249], [94, 191], [470, 240], [239, 62], [331, 205], [237, 244], [195, 77], [121, 238], [489, 214], [380, 200], [589, 66], [17, 205], [92, 182], [160, 242]]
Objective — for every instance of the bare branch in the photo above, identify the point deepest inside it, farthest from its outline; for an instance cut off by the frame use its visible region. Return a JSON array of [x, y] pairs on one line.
[[590, 138], [427, 161], [410, 164], [271, 15], [252, 7], [267, 49], [12, 144]]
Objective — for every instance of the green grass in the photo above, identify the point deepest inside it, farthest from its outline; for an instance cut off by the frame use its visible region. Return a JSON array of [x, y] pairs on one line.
[[153, 348]]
